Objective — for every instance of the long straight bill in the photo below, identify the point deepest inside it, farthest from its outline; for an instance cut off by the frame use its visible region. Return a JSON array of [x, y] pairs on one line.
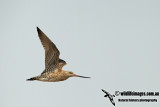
[[81, 76]]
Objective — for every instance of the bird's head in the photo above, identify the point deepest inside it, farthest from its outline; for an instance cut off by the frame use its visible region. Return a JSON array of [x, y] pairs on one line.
[[71, 74]]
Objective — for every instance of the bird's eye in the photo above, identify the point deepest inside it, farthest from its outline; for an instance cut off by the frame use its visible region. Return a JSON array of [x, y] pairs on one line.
[[70, 72]]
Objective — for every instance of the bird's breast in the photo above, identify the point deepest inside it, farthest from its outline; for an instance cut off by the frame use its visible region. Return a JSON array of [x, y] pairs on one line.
[[53, 77]]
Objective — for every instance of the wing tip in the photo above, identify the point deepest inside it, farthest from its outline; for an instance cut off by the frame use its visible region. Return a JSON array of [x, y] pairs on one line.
[[38, 30]]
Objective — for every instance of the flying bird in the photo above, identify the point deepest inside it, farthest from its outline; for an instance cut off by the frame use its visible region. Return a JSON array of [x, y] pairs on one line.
[[53, 64], [109, 96]]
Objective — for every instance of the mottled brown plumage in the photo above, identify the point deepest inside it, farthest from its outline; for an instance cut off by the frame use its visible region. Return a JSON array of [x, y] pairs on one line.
[[53, 64]]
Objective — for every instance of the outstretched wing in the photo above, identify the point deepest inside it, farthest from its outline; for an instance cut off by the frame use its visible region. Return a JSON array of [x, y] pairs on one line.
[[51, 52], [61, 63], [112, 101], [105, 91]]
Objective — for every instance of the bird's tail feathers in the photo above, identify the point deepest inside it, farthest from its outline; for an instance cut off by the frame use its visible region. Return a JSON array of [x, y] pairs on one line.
[[32, 79]]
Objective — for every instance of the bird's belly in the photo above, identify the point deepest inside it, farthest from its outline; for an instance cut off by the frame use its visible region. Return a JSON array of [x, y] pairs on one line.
[[48, 79], [57, 79], [53, 77]]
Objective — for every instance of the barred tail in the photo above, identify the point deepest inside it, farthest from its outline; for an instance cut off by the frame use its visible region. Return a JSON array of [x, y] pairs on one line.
[[32, 79]]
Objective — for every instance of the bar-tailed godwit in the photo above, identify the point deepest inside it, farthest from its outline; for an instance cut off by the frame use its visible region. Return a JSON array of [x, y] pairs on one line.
[[53, 64]]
